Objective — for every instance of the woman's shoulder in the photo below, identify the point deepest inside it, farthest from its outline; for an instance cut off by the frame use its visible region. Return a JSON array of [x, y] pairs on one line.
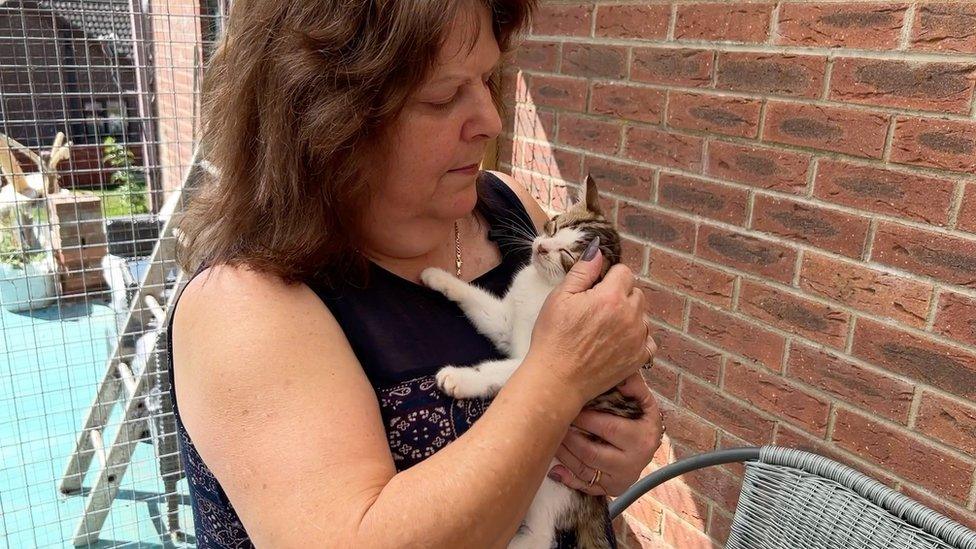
[[530, 204], [229, 290], [227, 313]]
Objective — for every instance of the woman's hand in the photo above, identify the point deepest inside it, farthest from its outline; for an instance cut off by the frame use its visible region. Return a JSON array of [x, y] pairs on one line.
[[623, 448], [590, 337]]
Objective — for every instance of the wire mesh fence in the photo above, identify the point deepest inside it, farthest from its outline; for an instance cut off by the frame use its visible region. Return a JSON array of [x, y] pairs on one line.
[[99, 105]]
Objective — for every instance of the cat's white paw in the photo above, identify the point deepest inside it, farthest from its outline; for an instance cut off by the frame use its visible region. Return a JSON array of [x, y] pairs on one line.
[[460, 382], [436, 279]]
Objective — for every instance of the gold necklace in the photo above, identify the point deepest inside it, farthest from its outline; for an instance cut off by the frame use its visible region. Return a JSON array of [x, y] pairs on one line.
[[457, 249]]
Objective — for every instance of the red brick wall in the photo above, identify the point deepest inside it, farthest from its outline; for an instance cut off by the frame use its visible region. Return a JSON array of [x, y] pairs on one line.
[[177, 62], [795, 181]]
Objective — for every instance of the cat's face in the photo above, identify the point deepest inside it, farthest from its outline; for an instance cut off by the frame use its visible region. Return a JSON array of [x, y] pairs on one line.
[[565, 236]]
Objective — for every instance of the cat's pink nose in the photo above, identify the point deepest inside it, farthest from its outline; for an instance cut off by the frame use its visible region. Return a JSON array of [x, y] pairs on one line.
[[543, 250]]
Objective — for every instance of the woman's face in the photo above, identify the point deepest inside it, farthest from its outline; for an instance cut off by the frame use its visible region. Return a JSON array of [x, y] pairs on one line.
[[433, 149]]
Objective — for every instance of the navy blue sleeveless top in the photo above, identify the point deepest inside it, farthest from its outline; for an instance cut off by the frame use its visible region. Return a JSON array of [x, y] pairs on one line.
[[402, 333]]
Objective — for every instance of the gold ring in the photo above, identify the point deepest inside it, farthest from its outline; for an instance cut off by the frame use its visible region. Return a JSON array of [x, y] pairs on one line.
[[596, 478]]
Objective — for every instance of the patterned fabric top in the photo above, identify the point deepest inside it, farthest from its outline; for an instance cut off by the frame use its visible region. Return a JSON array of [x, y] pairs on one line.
[[401, 333]]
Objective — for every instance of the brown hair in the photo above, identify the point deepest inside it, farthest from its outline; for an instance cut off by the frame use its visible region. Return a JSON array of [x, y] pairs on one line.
[[294, 96]]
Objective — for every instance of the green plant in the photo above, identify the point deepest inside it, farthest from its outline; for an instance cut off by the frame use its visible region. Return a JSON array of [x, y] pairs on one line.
[[130, 180], [13, 251]]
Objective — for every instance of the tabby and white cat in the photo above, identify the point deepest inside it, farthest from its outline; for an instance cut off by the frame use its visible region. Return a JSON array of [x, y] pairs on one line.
[[508, 323]]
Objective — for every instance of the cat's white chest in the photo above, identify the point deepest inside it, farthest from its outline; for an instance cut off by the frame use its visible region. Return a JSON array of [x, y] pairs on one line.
[[525, 297]]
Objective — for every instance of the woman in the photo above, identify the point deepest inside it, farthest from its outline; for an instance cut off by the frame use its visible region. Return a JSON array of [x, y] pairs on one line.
[[347, 137]]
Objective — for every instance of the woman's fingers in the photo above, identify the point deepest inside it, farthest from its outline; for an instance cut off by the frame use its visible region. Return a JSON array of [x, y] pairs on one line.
[[581, 476], [561, 473], [619, 278], [584, 457], [614, 430]]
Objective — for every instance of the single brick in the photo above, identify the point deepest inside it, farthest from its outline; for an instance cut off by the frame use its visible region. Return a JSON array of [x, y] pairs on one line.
[[731, 416], [633, 254], [948, 421], [687, 509], [563, 20], [531, 123], [828, 128], [904, 454], [780, 74], [690, 277], [880, 394], [945, 144], [911, 196], [664, 381], [656, 226], [739, 336], [638, 21], [715, 483], [758, 166], [664, 304], [956, 317], [689, 430], [949, 27], [941, 87], [538, 55], [788, 436], [948, 258], [589, 133], [645, 512], [720, 526], [831, 230], [736, 22], [778, 396], [688, 355], [682, 67], [557, 91], [663, 148], [684, 533], [794, 314], [746, 253], [545, 159], [594, 61], [901, 298], [967, 216], [713, 200], [714, 113], [859, 25], [628, 102], [933, 363], [619, 178]]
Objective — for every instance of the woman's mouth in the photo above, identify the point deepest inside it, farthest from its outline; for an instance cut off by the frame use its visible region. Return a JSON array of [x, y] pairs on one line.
[[470, 169]]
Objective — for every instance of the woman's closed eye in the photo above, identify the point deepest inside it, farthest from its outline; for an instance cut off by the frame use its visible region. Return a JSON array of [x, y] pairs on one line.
[[444, 103]]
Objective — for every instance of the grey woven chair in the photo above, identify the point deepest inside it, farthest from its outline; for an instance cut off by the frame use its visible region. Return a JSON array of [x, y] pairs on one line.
[[792, 499]]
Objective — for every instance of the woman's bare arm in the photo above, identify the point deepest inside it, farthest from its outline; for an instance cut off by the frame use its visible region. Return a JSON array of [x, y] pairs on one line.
[[282, 413]]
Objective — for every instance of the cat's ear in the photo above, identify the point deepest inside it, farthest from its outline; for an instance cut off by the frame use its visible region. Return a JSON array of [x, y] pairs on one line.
[[592, 195]]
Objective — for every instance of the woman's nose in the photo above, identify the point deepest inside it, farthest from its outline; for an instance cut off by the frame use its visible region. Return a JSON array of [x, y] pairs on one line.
[[485, 123]]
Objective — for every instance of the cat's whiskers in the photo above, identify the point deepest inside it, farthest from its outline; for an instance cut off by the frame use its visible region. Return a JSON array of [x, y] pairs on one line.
[[517, 230], [521, 227]]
